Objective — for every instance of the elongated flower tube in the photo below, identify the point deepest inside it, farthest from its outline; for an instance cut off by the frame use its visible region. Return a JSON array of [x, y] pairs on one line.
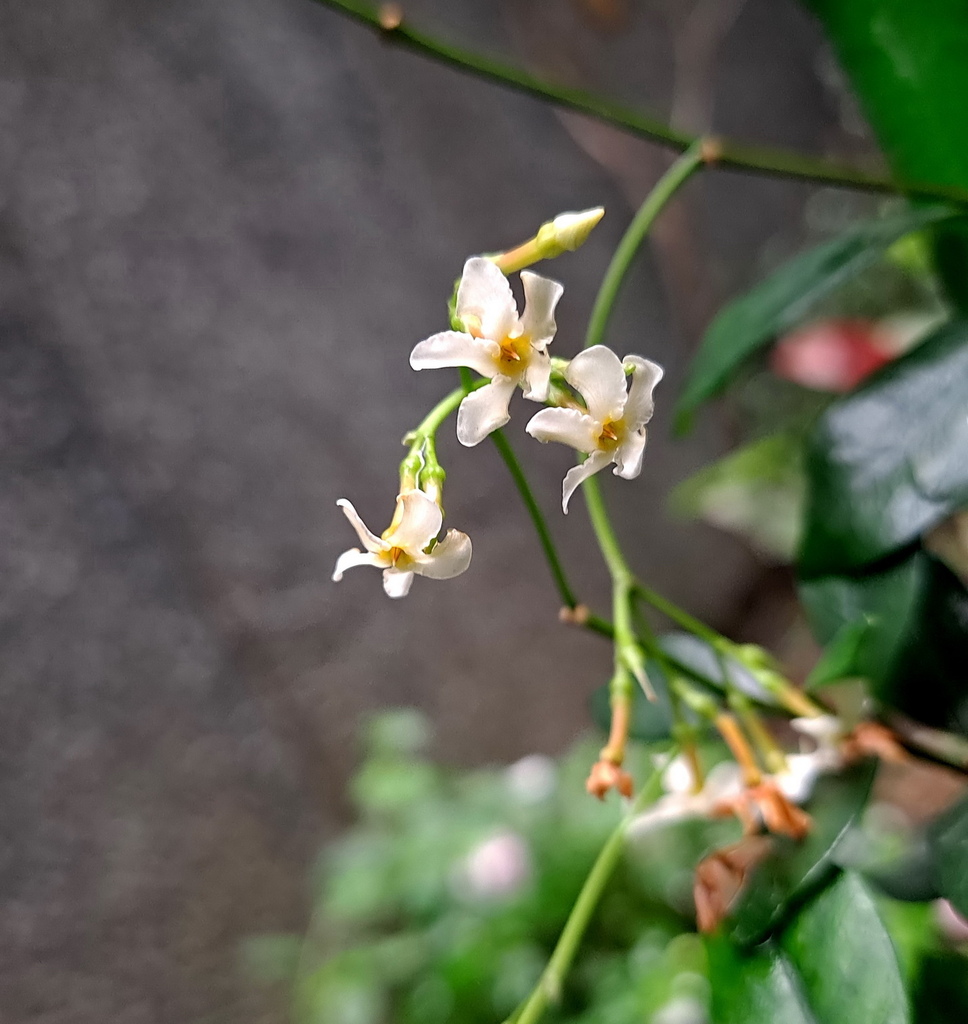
[[612, 426], [496, 343], [402, 551]]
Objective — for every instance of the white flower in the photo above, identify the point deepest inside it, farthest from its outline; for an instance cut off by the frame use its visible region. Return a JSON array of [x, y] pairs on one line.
[[496, 868], [612, 427], [497, 344], [402, 550], [723, 782]]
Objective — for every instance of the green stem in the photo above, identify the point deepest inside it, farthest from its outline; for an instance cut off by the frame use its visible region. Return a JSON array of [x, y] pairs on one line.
[[679, 616], [628, 653], [549, 987], [537, 518], [666, 187], [752, 159]]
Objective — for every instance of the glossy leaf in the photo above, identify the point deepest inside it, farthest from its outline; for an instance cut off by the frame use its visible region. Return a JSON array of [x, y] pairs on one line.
[[888, 462], [841, 656], [845, 957], [912, 649], [796, 870], [756, 988], [949, 839], [879, 610], [787, 297], [906, 63]]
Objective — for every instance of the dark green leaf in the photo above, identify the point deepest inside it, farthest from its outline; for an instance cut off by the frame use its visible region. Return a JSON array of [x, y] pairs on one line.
[[758, 988], [949, 838], [912, 652], [796, 870], [840, 657], [787, 297], [888, 462], [906, 63], [845, 957], [879, 610], [697, 655]]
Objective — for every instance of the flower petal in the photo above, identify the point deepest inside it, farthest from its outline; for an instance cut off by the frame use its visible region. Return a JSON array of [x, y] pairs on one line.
[[645, 376], [597, 373], [484, 410], [484, 293], [577, 474], [537, 376], [354, 557], [449, 558], [418, 519], [541, 296], [567, 426], [369, 540], [396, 582], [628, 455], [451, 348]]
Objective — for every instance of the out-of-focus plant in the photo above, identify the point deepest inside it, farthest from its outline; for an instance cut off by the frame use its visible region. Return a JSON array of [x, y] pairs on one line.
[[858, 477]]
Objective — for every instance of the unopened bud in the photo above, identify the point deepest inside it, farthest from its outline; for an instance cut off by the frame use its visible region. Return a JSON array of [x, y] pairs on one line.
[[567, 232]]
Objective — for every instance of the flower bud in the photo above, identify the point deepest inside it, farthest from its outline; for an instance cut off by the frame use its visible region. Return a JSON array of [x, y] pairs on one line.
[[567, 232]]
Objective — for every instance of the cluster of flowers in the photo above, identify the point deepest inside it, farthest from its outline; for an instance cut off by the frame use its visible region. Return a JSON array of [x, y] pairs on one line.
[[600, 416]]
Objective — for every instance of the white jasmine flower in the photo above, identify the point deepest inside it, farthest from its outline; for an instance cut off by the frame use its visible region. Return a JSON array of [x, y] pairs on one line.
[[498, 344], [723, 782], [403, 551], [612, 427]]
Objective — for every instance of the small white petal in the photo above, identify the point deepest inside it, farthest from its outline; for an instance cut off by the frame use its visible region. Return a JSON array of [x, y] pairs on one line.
[[484, 410], [396, 583], [597, 373], [640, 405], [566, 426], [537, 376], [628, 455], [577, 474], [418, 519], [541, 296], [484, 293], [369, 540], [449, 558], [354, 557], [451, 348]]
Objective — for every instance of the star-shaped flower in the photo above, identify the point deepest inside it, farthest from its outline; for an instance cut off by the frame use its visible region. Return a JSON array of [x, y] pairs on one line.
[[403, 551], [611, 428], [497, 343]]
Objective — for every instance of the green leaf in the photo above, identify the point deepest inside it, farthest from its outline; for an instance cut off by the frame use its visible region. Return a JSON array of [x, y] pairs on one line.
[[787, 297], [760, 988], [949, 839], [840, 657], [796, 870], [834, 964], [906, 63], [845, 957], [912, 651], [757, 492], [888, 462], [877, 611]]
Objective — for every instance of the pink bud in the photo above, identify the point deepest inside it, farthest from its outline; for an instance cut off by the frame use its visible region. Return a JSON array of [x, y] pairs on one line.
[[831, 355]]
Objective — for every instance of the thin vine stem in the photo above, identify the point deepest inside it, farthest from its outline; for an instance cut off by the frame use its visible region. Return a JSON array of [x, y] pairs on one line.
[[537, 518], [549, 987], [389, 21], [665, 188]]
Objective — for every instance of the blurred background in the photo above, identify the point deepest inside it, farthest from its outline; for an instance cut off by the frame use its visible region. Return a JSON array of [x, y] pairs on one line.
[[222, 228]]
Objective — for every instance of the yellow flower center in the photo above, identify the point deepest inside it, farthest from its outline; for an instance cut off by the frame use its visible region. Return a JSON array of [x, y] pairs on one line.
[[399, 558], [611, 435], [515, 353]]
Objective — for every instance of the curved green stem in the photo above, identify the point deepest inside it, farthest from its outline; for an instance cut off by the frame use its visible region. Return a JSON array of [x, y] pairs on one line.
[[665, 188], [537, 518], [776, 163], [549, 987]]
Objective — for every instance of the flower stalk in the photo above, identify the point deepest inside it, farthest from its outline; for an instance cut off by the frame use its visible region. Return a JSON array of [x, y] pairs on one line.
[[552, 980]]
